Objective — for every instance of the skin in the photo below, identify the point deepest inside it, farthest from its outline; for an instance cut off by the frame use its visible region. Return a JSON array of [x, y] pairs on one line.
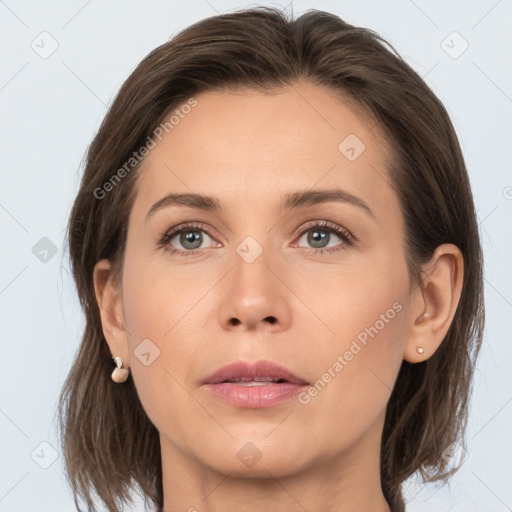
[[249, 150]]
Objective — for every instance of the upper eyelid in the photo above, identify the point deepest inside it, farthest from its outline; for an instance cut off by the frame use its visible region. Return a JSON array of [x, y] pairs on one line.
[[172, 232]]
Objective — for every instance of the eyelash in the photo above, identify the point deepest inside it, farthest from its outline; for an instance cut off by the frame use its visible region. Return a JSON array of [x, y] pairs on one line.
[[347, 237]]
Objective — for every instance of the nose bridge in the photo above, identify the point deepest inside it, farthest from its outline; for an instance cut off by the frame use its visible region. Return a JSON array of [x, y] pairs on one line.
[[251, 280], [253, 296]]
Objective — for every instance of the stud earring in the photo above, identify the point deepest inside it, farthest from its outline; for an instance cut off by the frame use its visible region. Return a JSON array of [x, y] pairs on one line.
[[419, 350], [119, 374]]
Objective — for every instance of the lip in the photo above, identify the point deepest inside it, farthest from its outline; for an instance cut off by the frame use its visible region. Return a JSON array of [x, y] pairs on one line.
[[248, 371], [255, 396]]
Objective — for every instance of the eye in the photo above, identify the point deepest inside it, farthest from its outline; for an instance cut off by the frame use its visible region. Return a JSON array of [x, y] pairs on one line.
[[190, 236], [319, 236]]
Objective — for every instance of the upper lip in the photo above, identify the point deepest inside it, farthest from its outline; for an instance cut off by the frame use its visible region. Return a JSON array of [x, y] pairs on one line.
[[258, 371]]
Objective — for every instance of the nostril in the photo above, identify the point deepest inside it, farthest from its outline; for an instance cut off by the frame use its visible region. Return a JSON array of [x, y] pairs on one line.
[[271, 319], [234, 321]]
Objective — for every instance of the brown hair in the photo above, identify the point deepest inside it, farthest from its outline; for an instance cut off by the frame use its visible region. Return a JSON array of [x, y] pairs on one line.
[[108, 442]]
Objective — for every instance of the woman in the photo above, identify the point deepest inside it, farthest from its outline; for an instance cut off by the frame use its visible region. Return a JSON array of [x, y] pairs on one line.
[[276, 249]]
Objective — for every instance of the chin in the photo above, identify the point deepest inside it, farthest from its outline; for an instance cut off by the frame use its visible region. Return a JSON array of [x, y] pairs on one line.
[[246, 460]]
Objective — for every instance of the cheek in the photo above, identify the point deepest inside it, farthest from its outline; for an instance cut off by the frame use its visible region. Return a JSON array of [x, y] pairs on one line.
[[371, 332], [158, 310], [356, 368], [159, 361], [353, 385], [156, 298]]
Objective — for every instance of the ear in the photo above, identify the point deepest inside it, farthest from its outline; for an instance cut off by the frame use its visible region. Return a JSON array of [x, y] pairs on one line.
[[434, 302], [109, 302]]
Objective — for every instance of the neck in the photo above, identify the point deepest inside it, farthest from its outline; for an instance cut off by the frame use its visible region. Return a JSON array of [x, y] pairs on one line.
[[345, 482]]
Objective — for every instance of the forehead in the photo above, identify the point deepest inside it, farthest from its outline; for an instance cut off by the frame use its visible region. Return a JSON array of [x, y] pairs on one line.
[[250, 146]]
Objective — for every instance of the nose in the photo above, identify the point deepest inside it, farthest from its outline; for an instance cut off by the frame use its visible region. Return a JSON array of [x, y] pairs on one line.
[[254, 297]]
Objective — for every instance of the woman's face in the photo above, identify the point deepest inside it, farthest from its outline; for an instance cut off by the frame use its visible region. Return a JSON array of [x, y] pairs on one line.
[[265, 277]]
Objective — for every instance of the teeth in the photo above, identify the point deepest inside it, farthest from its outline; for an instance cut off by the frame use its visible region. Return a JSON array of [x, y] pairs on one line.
[[253, 383], [254, 379]]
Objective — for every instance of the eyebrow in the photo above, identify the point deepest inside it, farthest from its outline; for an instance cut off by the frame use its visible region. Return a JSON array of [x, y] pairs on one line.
[[294, 200]]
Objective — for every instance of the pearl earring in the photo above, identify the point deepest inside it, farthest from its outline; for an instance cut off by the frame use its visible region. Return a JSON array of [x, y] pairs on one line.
[[119, 374], [419, 350]]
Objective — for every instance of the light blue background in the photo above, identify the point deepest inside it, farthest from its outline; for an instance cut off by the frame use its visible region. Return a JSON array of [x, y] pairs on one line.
[[50, 111]]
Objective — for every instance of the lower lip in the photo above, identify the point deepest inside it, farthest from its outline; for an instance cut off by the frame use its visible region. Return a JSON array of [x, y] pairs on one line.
[[254, 397]]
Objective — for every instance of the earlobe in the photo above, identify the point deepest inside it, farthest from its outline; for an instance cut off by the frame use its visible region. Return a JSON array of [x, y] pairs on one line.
[[108, 298], [435, 303]]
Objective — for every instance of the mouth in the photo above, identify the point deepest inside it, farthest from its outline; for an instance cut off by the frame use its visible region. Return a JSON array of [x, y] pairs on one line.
[[256, 374], [253, 386], [255, 381]]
